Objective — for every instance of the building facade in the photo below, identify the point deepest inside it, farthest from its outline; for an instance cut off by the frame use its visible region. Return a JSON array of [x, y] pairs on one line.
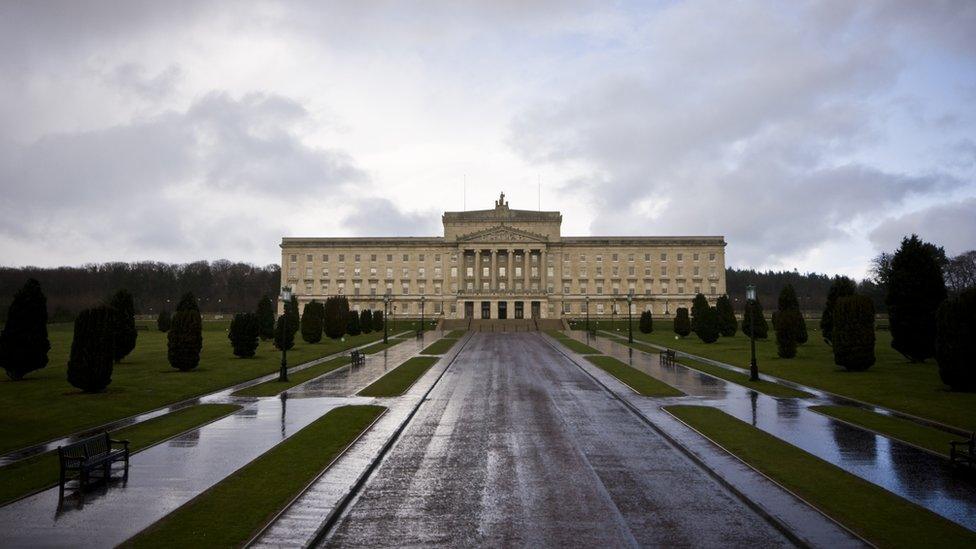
[[507, 264]]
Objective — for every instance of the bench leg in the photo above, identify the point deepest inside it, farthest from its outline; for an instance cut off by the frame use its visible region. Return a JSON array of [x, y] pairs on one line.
[[61, 485]]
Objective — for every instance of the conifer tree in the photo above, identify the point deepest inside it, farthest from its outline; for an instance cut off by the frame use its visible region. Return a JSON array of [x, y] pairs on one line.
[[336, 316], [352, 324], [754, 310], [682, 324], [789, 302], [787, 325], [266, 318], [646, 324], [312, 318], [916, 288], [93, 349], [23, 342], [853, 332], [243, 334], [125, 323], [185, 337], [377, 321], [698, 307], [366, 321], [841, 287], [291, 309], [708, 325], [163, 321], [726, 316], [284, 339], [955, 342]]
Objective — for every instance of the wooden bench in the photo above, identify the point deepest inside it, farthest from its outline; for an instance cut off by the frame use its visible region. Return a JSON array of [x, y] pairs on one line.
[[91, 454], [667, 357], [963, 451], [358, 358]]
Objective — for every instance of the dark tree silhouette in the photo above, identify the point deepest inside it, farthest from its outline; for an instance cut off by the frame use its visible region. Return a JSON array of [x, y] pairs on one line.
[[841, 287], [266, 317], [23, 341], [243, 334], [125, 323], [915, 291], [853, 332], [93, 349], [682, 323], [955, 342]]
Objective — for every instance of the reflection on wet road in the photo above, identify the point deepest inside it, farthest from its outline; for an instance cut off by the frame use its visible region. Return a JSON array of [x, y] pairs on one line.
[[516, 446], [914, 474]]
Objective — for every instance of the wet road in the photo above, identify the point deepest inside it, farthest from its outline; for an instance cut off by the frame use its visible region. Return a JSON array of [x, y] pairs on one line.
[[516, 445]]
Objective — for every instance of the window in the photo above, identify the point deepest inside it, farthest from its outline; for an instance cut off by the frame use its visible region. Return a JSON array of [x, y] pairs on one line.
[[711, 272], [355, 287], [697, 271], [389, 272], [454, 287], [308, 257], [325, 257], [631, 271], [599, 258], [664, 288], [534, 258], [342, 258], [454, 258], [616, 271], [404, 273], [501, 271], [406, 257], [518, 271], [550, 271], [293, 258], [357, 258], [582, 273], [437, 272], [437, 257], [372, 257], [421, 272], [356, 271], [599, 271], [694, 256], [582, 257], [437, 289], [389, 257], [664, 270], [420, 257], [437, 307], [599, 290], [681, 270], [470, 286], [485, 272], [405, 287], [614, 258], [681, 257], [712, 289], [711, 256], [535, 272], [647, 271], [470, 272], [484, 285], [308, 272], [599, 308], [664, 256], [422, 288], [647, 257], [567, 307], [342, 271], [453, 272], [630, 258], [325, 271], [293, 272], [308, 287], [565, 289], [616, 288]]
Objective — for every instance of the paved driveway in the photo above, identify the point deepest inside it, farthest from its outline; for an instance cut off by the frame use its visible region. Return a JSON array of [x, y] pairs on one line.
[[517, 446]]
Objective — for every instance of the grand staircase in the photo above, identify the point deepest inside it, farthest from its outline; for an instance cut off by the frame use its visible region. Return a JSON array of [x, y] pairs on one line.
[[507, 325]]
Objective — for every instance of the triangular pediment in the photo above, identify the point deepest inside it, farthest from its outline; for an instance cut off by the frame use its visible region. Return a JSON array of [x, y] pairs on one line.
[[501, 233]]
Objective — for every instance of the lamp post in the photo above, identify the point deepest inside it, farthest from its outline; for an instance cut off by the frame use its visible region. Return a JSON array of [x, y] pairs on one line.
[[750, 300], [394, 318], [630, 317], [420, 330], [386, 316], [613, 314], [587, 302], [286, 299]]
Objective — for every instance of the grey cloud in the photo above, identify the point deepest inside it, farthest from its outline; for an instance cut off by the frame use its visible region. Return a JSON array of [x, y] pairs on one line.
[[132, 77], [381, 217], [951, 225]]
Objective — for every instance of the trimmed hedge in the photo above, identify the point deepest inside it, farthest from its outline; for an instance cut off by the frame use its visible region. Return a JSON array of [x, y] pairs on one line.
[[955, 341], [853, 332]]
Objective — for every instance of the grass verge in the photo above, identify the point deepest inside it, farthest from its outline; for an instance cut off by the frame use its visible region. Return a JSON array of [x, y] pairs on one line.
[[636, 379], [231, 512], [456, 334], [439, 347], [894, 427], [398, 380], [380, 346], [274, 387], [879, 516], [39, 472], [578, 346]]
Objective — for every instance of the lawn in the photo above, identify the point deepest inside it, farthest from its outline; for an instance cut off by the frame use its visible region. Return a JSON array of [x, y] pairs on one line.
[[36, 473], [577, 346], [397, 381], [901, 429], [892, 382], [233, 511], [879, 516], [439, 347], [44, 406], [637, 380], [456, 334], [274, 387]]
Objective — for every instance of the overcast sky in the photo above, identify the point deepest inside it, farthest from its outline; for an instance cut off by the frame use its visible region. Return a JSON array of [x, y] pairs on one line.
[[812, 135]]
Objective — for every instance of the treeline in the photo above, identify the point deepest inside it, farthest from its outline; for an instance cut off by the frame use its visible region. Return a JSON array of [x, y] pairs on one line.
[[812, 289], [221, 286]]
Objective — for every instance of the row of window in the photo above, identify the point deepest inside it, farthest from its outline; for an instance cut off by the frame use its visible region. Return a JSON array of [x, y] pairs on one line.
[[502, 272], [680, 256], [340, 287]]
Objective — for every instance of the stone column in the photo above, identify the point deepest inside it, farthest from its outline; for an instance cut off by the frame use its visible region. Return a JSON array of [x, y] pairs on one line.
[[508, 269], [477, 270], [543, 270], [494, 268], [526, 268]]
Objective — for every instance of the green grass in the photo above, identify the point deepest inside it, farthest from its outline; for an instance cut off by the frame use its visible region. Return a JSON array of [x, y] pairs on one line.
[[894, 427], [398, 380], [439, 347], [44, 406], [234, 510], [636, 379], [39, 472], [456, 334], [892, 382], [274, 387], [558, 334], [578, 346], [380, 346], [879, 516]]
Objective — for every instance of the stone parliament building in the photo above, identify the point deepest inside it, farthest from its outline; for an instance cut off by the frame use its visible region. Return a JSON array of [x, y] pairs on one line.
[[507, 264]]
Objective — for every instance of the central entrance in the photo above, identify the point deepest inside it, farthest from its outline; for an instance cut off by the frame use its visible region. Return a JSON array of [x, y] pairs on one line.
[[469, 309], [535, 309], [519, 309], [503, 310], [486, 309]]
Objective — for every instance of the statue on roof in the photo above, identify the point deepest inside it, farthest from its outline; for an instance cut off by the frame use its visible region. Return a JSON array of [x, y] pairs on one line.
[[500, 203]]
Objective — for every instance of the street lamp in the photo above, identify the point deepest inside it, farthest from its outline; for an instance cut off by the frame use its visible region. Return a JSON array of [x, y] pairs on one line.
[[386, 316], [286, 300], [630, 317], [750, 302], [587, 302], [613, 314], [420, 330], [394, 318]]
